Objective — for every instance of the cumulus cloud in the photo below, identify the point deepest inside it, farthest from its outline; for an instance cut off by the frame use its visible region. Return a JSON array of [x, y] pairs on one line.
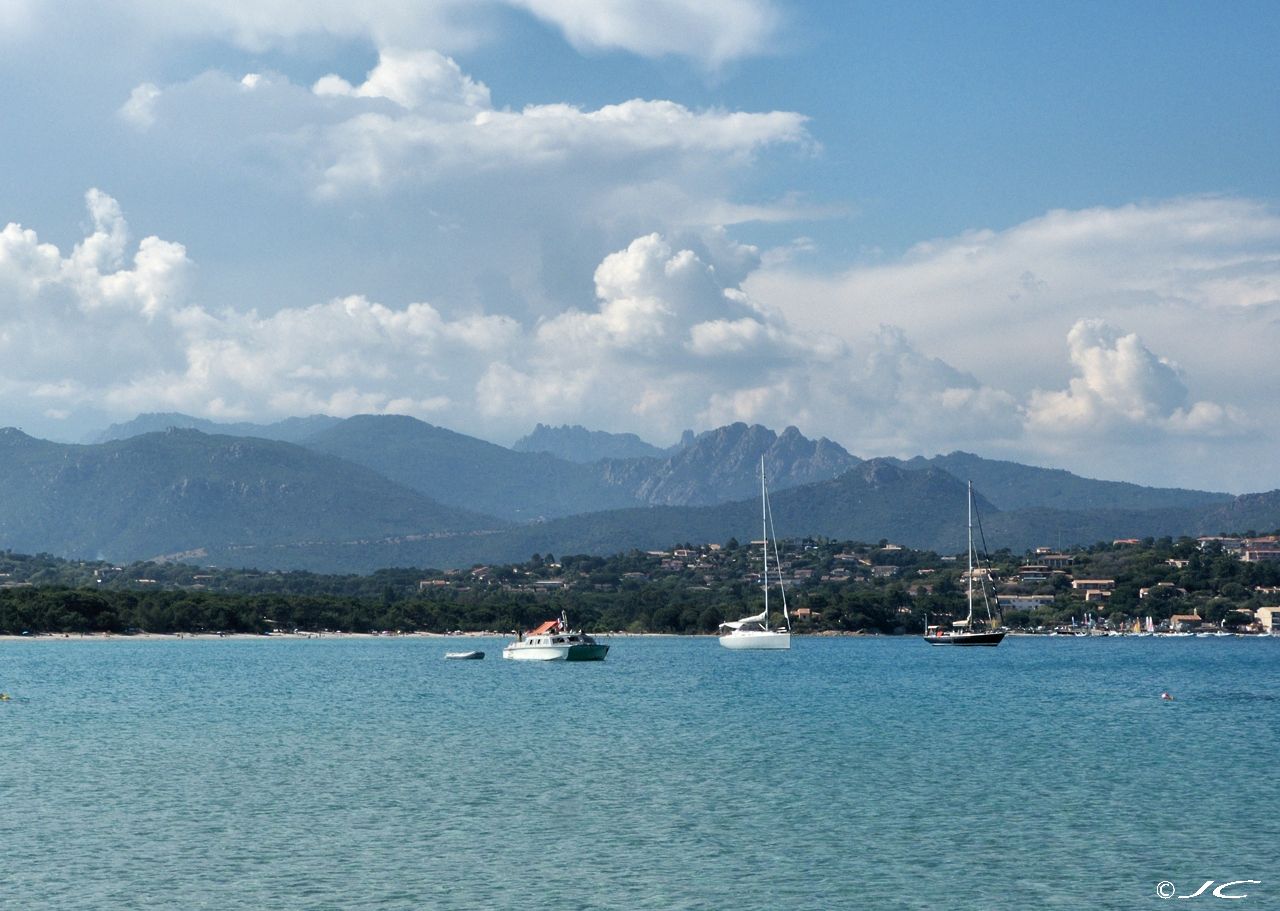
[[657, 303], [346, 356], [1121, 385], [505, 208], [95, 276], [419, 120], [74, 325], [668, 343], [379, 150], [1167, 265], [1195, 279], [414, 80], [102, 330], [108, 327], [913, 402], [672, 340]]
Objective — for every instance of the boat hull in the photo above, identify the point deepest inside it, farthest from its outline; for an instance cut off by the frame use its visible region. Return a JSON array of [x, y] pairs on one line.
[[966, 639], [756, 639], [464, 656], [580, 651]]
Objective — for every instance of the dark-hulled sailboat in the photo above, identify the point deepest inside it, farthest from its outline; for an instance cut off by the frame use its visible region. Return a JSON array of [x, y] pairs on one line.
[[963, 632]]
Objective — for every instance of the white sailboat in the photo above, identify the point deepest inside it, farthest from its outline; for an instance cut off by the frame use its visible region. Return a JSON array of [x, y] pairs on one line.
[[963, 632], [754, 632]]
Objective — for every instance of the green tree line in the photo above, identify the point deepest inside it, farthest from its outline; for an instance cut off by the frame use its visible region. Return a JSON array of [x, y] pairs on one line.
[[838, 586]]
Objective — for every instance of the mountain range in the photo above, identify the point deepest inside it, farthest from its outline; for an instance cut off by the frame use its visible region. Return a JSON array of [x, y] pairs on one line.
[[186, 491], [366, 492], [467, 473], [290, 430], [578, 444]]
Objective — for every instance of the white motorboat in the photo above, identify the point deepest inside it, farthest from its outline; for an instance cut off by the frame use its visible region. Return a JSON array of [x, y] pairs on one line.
[[754, 632], [555, 641]]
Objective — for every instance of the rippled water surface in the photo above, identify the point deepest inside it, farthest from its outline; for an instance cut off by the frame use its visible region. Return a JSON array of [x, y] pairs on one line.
[[846, 773]]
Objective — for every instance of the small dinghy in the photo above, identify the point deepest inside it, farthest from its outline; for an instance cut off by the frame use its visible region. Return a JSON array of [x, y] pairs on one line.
[[464, 656]]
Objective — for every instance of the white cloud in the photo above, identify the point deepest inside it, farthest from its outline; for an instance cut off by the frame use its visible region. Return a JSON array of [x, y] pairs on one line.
[[1197, 278], [94, 277], [95, 268], [89, 330], [140, 109], [547, 142], [671, 341], [905, 402], [75, 325], [670, 346], [261, 25], [1122, 386], [419, 121], [505, 209], [714, 32], [414, 80], [995, 299], [666, 342], [727, 337], [711, 32], [26, 265]]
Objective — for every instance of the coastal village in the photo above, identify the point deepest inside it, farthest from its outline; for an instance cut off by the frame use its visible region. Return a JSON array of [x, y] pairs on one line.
[[1047, 591], [1218, 585]]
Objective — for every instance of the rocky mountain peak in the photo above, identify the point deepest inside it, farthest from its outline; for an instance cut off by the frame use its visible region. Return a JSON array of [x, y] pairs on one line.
[[724, 464]]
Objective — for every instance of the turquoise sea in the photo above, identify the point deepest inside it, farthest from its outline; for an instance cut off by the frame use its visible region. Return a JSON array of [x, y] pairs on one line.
[[870, 773]]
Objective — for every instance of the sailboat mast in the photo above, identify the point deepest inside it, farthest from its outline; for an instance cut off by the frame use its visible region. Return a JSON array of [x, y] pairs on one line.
[[969, 620], [764, 539]]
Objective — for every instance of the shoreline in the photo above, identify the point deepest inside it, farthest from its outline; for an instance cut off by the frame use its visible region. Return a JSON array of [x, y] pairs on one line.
[[495, 634], [213, 637]]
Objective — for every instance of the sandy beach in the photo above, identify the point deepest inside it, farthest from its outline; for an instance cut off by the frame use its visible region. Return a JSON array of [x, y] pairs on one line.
[[169, 637]]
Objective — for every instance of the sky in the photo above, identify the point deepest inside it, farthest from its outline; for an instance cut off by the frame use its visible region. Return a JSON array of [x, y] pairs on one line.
[[1040, 232]]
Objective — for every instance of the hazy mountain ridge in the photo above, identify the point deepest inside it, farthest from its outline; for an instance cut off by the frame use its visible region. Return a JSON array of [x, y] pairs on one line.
[[183, 490], [249, 501], [290, 430], [578, 444], [878, 500], [718, 466], [1247, 512], [468, 473], [853, 506], [1010, 485]]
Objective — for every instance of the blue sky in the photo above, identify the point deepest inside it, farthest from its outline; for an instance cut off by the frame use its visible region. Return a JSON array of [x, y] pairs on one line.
[[1045, 232]]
